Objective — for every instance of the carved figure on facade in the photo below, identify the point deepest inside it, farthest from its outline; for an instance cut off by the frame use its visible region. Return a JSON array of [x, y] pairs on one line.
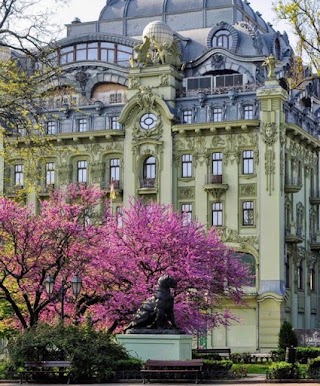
[[270, 63], [82, 78], [269, 133], [167, 53], [217, 61], [142, 55], [134, 82], [146, 98], [269, 137]]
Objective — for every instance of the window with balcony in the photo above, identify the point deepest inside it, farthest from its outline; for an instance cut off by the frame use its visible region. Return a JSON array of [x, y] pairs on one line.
[[248, 112], [187, 116], [115, 171], [247, 162], [186, 210], [18, 175], [82, 171], [217, 214], [217, 114], [114, 124], [50, 171], [82, 125], [52, 127], [223, 39], [216, 168], [186, 160], [149, 172], [247, 213]]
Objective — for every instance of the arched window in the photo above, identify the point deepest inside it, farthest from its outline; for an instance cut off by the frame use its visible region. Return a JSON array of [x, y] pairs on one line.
[[277, 48], [149, 172], [223, 39], [250, 261]]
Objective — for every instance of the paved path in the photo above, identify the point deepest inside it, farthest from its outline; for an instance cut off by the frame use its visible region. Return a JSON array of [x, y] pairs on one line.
[[250, 380]]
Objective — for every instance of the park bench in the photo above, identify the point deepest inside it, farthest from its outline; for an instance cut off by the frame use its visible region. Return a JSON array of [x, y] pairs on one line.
[[168, 369], [222, 352], [57, 368]]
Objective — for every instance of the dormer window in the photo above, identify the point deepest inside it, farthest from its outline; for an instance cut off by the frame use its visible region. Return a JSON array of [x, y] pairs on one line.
[[223, 39]]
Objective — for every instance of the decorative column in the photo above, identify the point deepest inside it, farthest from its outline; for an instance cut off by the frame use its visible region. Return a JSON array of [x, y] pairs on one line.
[[271, 208]]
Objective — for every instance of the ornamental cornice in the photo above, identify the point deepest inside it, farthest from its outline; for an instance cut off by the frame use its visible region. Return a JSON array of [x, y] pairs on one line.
[[232, 236]]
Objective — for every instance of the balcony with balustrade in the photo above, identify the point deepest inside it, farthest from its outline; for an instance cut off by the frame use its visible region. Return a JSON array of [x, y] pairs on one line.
[[147, 186], [292, 185], [314, 198], [294, 234], [215, 185]]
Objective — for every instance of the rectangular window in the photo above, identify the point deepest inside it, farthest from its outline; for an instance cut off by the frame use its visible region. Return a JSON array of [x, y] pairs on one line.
[[114, 124], [186, 210], [217, 214], [50, 173], [248, 112], [186, 165], [300, 277], [82, 125], [247, 213], [51, 127], [217, 114], [82, 171], [115, 171], [18, 175], [247, 162], [187, 116], [217, 164]]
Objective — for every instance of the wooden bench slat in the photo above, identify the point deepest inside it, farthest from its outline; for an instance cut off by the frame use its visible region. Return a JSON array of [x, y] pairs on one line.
[[193, 366], [45, 367]]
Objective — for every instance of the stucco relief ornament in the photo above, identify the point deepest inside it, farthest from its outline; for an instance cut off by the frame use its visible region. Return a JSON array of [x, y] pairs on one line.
[[269, 137], [134, 82], [269, 133], [146, 98]]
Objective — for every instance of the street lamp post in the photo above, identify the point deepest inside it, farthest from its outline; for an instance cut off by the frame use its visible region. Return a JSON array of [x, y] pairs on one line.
[[76, 285]]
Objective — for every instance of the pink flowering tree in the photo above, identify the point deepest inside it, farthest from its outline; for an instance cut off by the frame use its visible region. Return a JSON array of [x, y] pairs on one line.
[[118, 257], [147, 241]]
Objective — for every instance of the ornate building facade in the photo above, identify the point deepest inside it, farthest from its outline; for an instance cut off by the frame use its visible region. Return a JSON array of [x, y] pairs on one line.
[[197, 103]]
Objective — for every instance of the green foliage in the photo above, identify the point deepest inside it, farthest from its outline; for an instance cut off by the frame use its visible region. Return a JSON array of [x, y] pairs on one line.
[[287, 336], [283, 370], [313, 368], [94, 355], [216, 369], [304, 354]]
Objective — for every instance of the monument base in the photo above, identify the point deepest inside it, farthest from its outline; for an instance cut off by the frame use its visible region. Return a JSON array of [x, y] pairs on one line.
[[157, 346]]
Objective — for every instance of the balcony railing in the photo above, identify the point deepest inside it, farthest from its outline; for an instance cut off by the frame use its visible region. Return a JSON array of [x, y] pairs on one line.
[[294, 234], [215, 186], [148, 183], [293, 185], [314, 198]]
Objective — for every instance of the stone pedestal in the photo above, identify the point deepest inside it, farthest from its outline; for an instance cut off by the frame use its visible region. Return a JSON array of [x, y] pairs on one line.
[[153, 346]]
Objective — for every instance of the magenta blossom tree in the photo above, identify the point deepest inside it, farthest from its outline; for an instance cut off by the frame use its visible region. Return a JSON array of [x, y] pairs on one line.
[[147, 241], [119, 258]]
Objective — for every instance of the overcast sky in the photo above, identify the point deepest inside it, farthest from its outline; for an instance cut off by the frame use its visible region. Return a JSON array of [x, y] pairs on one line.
[[90, 10]]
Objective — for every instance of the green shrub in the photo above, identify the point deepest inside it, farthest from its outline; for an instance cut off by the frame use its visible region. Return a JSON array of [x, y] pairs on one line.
[[216, 369], [313, 368], [303, 354], [287, 336], [94, 354], [283, 370]]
